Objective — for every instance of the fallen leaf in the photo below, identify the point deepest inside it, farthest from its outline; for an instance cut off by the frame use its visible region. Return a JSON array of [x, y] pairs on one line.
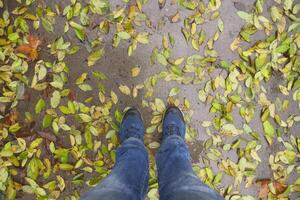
[[125, 89], [30, 49], [94, 57], [264, 188], [279, 187], [175, 18], [135, 71], [161, 3]]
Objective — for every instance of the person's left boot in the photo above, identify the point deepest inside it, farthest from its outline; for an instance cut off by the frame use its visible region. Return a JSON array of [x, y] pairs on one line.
[[132, 125]]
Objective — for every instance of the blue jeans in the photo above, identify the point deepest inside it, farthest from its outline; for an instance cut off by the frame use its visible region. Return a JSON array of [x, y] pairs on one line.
[[129, 178]]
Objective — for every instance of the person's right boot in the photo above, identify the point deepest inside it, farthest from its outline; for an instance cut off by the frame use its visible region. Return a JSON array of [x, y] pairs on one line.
[[173, 122]]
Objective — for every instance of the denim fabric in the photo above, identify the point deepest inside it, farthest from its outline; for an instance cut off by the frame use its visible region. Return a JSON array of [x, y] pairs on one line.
[[176, 178], [129, 178]]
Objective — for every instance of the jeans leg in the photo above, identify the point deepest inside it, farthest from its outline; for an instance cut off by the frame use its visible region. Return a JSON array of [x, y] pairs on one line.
[[129, 177], [176, 178]]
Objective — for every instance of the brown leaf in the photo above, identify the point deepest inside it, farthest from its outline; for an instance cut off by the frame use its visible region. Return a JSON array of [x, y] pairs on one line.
[[47, 135], [30, 49], [24, 48], [174, 18], [161, 3], [72, 95], [264, 188], [25, 133], [11, 117], [34, 41], [279, 187]]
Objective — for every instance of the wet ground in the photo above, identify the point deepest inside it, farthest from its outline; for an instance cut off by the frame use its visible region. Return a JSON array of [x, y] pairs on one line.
[[116, 65]]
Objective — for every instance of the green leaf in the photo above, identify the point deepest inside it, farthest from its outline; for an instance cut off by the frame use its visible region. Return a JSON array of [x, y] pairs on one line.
[[40, 191], [32, 183], [64, 109], [85, 87], [245, 16], [296, 84], [174, 91], [160, 106], [202, 95], [282, 48], [88, 139], [230, 130], [221, 25], [65, 166], [35, 143], [13, 37], [62, 155], [161, 59], [202, 37], [33, 168], [85, 117], [151, 129], [124, 35], [143, 38], [125, 89], [39, 106], [55, 99], [268, 128], [261, 60], [47, 25], [79, 30], [94, 57], [99, 75], [47, 120]]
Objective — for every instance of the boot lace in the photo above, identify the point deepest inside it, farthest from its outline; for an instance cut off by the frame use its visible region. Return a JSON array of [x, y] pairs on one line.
[[133, 132], [172, 129]]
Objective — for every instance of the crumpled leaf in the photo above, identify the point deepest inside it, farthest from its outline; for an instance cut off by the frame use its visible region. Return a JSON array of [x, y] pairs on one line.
[[263, 188], [30, 49]]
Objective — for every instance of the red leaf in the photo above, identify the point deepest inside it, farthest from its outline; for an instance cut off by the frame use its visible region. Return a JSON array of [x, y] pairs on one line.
[[264, 188]]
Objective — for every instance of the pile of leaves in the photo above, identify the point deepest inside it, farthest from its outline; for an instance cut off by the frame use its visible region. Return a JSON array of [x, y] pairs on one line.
[[65, 142]]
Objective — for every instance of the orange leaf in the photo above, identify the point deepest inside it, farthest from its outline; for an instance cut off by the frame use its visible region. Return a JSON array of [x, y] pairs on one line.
[[33, 54], [264, 188], [34, 41], [30, 49], [25, 49]]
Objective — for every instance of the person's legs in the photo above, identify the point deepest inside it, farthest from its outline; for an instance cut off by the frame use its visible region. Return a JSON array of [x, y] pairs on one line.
[[176, 178], [129, 177]]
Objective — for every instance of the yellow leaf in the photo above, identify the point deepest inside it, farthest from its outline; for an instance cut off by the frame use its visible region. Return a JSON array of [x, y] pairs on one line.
[[235, 44], [194, 28], [125, 89], [135, 71]]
